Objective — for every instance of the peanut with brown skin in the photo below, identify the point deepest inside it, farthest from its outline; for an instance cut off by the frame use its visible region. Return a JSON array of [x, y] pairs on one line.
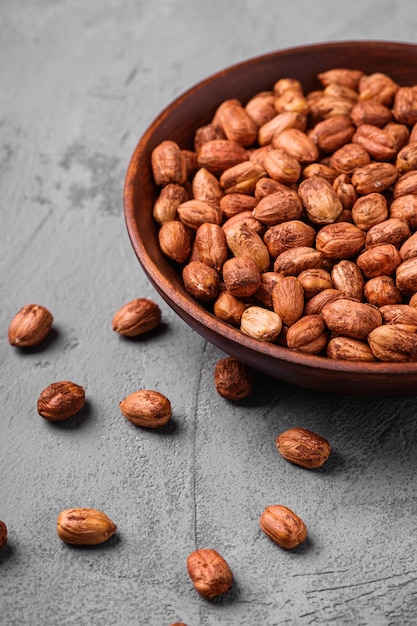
[[146, 408], [60, 401], [303, 447], [30, 326], [209, 573], [84, 526], [233, 379], [283, 526]]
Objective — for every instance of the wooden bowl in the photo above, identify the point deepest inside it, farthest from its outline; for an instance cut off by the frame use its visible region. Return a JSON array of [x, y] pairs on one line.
[[178, 122]]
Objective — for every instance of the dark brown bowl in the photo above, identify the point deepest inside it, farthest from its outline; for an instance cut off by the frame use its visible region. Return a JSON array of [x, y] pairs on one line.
[[178, 122]]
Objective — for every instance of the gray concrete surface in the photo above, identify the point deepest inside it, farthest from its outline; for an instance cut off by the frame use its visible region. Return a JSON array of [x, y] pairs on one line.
[[80, 82]]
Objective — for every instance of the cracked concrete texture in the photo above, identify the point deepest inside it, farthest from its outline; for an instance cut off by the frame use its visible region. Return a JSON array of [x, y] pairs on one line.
[[80, 84]]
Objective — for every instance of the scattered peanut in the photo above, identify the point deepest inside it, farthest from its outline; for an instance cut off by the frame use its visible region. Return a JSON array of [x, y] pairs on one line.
[[136, 317], [30, 326], [209, 573], [146, 408], [283, 526], [303, 447], [87, 527], [61, 400], [233, 379]]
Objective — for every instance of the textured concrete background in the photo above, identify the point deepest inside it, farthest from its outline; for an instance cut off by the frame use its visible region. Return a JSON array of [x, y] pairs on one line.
[[80, 82]]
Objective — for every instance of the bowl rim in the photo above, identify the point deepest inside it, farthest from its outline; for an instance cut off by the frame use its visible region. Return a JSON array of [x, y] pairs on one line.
[[179, 300]]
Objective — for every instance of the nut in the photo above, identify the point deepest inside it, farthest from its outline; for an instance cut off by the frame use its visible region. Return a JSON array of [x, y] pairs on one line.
[[340, 241], [315, 305], [261, 324], [282, 121], [261, 107], [229, 308], [168, 164], [405, 185], [237, 124], [320, 169], [288, 299], [374, 177], [245, 241], [307, 335], [206, 187], [370, 112], [402, 315], [3, 534], [218, 155], [289, 234], [320, 200], [201, 281], [84, 527], [241, 178], [282, 205], [297, 144], [146, 408], [234, 203], [406, 276], [350, 156], [392, 344], [369, 210], [292, 99], [303, 447], [392, 230], [175, 241], [208, 132], [347, 277], [405, 208], [350, 318], [348, 349], [333, 133], [61, 400], [341, 76], [409, 248], [377, 87], [314, 281], [193, 213], [240, 227], [166, 204], [380, 260], [382, 290], [233, 379], [407, 158], [283, 526], [209, 573], [30, 326], [347, 195], [210, 242], [295, 260], [281, 166], [405, 105], [137, 317], [241, 276]]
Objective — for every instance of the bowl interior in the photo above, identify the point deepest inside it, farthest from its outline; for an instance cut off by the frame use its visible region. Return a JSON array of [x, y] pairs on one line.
[[178, 122]]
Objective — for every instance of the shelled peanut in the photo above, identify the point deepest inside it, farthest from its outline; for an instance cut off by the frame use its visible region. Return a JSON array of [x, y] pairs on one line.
[[294, 218]]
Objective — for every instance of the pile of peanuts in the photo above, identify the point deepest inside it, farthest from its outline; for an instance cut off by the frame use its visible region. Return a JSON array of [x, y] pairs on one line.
[[294, 218]]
